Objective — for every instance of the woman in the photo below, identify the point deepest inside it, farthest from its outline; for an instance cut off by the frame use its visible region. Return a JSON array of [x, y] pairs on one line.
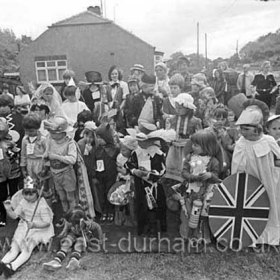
[[117, 93], [264, 82], [162, 87]]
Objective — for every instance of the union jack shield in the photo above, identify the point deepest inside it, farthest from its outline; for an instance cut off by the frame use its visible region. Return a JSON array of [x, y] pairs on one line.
[[239, 211]]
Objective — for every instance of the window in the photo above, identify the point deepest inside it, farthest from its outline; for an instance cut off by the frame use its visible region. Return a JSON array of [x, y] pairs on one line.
[[50, 69]]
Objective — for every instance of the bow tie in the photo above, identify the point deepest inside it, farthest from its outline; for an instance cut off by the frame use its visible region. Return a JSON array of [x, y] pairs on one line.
[[116, 84]]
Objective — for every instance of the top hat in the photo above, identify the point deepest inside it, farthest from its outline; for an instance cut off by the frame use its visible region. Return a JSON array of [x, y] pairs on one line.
[[94, 77]]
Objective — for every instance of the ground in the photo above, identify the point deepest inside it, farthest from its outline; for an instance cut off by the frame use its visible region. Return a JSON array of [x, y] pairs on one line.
[[206, 266]]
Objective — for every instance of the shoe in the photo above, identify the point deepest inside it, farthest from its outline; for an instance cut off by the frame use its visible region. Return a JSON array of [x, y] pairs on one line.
[[7, 270], [52, 265], [103, 218], [73, 264], [1, 267], [2, 224]]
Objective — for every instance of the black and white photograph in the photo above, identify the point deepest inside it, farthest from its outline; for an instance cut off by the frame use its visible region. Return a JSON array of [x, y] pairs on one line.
[[140, 140]]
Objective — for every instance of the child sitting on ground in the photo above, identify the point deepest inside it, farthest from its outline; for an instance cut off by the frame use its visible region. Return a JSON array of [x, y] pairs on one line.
[[35, 226], [78, 233]]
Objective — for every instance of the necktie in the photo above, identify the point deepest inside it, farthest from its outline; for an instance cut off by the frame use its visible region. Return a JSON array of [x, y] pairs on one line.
[[243, 88]]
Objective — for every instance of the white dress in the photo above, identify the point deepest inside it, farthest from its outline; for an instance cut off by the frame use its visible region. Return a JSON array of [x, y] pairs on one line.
[[257, 159], [43, 213]]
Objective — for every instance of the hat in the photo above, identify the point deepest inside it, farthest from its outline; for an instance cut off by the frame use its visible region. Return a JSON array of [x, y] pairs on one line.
[[94, 77], [138, 67], [183, 58], [146, 127], [161, 65], [90, 125], [148, 79], [132, 79], [29, 185], [186, 100], [272, 118], [57, 125], [129, 142], [252, 115]]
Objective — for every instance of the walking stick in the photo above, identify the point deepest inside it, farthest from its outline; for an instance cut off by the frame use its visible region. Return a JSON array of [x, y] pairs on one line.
[[35, 209]]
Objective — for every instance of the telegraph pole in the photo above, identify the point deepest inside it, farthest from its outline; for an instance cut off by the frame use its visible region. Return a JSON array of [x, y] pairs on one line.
[[206, 62], [197, 43]]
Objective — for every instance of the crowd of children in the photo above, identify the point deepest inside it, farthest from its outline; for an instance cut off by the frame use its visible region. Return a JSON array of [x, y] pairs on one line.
[[122, 152]]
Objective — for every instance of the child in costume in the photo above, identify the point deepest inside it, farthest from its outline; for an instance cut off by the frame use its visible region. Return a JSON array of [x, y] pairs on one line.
[[33, 147], [62, 155], [82, 118], [147, 165], [35, 226], [106, 169], [9, 167], [87, 147], [273, 127], [201, 170], [258, 155], [79, 232], [121, 192]]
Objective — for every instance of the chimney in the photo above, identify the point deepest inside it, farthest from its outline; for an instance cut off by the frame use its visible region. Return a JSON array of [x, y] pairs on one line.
[[95, 9]]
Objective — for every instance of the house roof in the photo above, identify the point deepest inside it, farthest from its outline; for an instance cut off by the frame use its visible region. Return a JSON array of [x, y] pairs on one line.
[[83, 18], [90, 18]]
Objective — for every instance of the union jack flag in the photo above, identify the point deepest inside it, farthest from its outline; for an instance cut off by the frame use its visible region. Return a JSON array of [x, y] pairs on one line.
[[239, 210]]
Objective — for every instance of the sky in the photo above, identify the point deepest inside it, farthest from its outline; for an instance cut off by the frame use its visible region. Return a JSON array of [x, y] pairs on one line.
[[169, 25]]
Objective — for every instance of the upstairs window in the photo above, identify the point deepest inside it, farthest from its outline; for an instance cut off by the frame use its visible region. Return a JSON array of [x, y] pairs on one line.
[[50, 68]]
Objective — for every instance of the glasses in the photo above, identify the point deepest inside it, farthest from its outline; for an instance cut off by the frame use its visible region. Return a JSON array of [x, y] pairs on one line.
[[29, 192]]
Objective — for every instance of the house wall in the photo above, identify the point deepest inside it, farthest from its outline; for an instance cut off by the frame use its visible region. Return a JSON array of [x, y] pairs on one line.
[[88, 47]]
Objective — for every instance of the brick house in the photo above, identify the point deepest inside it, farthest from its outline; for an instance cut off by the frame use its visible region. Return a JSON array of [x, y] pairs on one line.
[[83, 42]]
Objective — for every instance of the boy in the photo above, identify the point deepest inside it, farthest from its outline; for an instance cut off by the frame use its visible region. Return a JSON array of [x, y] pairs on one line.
[[62, 155]]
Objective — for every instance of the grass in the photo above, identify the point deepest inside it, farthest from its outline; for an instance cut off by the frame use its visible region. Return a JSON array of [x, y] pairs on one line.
[[207, 266]]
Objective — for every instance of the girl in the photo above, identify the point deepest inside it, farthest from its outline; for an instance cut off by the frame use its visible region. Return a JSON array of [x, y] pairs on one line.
[[35, 226], [9, 167], [117, 91], [72, 106], [201, 170], [22, 98], [87, 146], [33, 147], [162, 87], [120, 193], [273, 127]]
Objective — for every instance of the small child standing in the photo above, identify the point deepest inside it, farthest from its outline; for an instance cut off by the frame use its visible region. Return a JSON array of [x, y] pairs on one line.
[[72, 106], [106, 169], [9, 167], [147, 165], [62, 155], [120, 196], [35, 226], [273, 127], [201, 170], [258, 155], [33, 147]]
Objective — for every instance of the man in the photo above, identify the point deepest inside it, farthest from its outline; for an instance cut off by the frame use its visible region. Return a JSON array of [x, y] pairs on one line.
[[183, 65], [244, 81]]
